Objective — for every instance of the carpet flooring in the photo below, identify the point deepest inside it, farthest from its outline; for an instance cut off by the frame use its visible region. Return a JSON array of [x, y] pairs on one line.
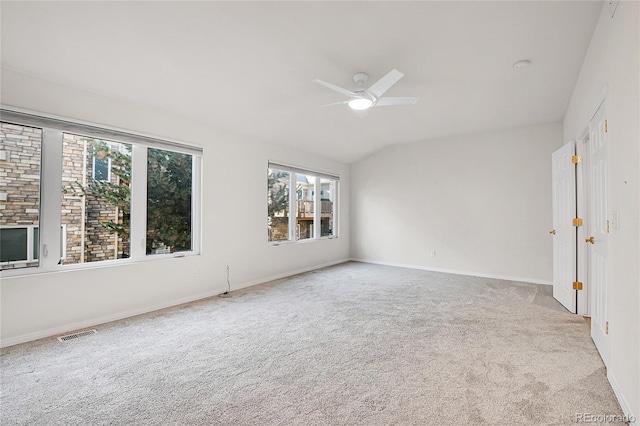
[[353, 344]]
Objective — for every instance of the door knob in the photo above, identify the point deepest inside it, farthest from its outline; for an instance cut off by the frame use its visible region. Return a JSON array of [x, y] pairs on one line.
[[553, 231], [590, 240]]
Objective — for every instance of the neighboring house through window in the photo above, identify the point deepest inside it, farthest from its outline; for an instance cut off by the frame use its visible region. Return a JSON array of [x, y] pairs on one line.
[[311, 195]]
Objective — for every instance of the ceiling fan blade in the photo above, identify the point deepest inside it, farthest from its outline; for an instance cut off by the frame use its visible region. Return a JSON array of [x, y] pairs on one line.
[[332, 104], [334, 87], [379, 87], [390, 101]]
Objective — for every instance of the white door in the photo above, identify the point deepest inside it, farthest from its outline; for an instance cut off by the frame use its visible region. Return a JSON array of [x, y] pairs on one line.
[[564, 233], [598, 251]]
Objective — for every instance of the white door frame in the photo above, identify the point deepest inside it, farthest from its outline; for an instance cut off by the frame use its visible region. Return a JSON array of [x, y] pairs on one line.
[[582, 204]]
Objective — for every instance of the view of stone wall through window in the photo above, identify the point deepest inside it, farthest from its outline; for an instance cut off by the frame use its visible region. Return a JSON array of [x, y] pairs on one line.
[[95, 206], [20, 154], [95, 202]]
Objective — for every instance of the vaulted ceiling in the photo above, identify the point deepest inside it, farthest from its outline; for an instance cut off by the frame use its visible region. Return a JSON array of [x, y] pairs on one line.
[[246, 67]]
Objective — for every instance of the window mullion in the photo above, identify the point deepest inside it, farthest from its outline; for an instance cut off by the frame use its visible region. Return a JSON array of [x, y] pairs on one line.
[[50, 198], [196, 230], [293, 207], [30, 257], [317, 211], [336, 208], [138, 220]]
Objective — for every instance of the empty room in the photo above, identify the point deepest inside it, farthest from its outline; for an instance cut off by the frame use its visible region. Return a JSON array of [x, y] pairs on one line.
[[319, 213]]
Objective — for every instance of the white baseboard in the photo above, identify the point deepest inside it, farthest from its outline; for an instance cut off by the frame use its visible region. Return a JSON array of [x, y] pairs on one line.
[[100, 320], [133, 312], [457, 272], [626, 408], [286, 274]]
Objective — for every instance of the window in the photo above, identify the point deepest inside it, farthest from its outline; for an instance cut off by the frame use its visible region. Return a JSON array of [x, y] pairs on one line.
[[20, 156], [312, 196], [113, 188], [278, 204], [102, 169], [18, 245], [169, 189], [96, 202], [305, 202], [327, 203]]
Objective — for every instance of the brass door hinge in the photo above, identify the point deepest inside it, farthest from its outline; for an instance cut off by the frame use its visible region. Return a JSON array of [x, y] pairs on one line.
[[576, 159], [606, 327], [607, 226], [577, 285], [577, 221], [606, 127]]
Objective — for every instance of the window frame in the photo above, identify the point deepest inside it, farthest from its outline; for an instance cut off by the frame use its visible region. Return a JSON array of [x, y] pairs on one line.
[[293, 224], [52, 245]]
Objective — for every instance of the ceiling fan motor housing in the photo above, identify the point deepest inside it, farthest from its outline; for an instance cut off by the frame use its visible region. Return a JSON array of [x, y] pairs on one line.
[[360, 78]]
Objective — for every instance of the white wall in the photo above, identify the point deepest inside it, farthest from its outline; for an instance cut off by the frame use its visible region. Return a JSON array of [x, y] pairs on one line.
[[234, 224], [482, 202], [611, 64]]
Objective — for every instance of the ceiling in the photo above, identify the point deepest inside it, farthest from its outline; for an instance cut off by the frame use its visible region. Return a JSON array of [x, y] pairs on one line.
[[246, 67]]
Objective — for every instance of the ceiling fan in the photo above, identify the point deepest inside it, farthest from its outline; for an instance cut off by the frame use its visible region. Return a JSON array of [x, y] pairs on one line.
[[361, 99]]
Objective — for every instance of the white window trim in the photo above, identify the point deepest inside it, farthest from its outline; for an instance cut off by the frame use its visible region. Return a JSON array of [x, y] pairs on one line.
[[52, 246], [293, 204]]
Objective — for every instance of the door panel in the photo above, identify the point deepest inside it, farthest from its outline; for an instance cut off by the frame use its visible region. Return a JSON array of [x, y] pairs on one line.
[[598, 251], [564, 239]]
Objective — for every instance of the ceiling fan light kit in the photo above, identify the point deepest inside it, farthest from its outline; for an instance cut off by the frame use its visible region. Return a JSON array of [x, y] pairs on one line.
[[361, 99], [360, 104]]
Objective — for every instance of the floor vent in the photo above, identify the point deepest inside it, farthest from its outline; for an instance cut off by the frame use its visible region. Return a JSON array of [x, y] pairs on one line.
[[76, 335]]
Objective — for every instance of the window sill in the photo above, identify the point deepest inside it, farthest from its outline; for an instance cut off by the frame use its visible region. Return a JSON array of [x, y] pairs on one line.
[[20, 272], [305, 241]]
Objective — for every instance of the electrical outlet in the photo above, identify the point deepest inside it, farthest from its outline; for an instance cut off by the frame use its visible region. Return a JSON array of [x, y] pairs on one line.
[[198, 272]]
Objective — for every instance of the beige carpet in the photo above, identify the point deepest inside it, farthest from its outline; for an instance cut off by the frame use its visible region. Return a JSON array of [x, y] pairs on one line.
[[354, 344]]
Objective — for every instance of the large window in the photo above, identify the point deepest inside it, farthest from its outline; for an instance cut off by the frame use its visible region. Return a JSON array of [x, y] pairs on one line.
[[278, 204], [20, 155], [169, 194], [310, 196], [327, 201], [112, 196], [96, 199], [305, 206]]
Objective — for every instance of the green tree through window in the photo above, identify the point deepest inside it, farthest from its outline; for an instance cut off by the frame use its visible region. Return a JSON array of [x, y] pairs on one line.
[[169, 192]]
